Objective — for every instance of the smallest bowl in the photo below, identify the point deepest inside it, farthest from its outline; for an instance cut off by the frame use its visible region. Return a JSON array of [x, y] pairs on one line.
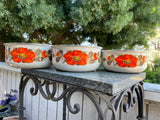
[[125, 61]]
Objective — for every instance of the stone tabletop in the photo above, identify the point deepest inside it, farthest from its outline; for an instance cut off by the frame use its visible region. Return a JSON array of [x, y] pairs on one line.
[[100, 80]]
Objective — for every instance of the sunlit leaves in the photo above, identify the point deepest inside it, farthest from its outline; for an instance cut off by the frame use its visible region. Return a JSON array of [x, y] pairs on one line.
[[28, 15]]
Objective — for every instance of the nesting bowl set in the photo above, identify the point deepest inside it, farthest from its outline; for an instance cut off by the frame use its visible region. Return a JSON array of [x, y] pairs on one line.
[[73, 58]]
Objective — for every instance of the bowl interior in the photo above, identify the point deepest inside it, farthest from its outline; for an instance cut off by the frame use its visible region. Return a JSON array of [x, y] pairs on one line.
[[26, 44], [76, 47]]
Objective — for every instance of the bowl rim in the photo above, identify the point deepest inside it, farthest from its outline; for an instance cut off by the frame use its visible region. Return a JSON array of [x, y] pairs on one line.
[[69, 45], [119, 50], [29, 44]]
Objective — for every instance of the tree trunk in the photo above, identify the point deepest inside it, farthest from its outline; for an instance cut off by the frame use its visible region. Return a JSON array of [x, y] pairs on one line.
[[2, 52]]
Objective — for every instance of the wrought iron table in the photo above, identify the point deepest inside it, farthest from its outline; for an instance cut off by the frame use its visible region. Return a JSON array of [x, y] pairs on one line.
[[117, 85]]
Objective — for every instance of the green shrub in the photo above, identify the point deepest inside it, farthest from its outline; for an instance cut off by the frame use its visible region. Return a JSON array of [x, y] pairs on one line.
[[152, 75]]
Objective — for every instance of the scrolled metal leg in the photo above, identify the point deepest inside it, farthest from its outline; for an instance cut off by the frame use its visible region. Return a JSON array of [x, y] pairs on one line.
[[114, 104], [76, 108], [23, 82], [64, 103], [140, 97], [50, 95]]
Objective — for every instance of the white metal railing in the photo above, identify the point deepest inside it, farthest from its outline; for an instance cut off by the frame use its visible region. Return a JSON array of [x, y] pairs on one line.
[[37, 108]]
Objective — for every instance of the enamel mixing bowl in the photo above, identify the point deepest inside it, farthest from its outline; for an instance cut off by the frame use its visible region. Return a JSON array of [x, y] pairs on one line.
[[28, 55], [76, 58], [126, 61]]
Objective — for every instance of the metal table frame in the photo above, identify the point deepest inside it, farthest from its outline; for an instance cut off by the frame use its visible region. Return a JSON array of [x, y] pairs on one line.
[[134, 94]]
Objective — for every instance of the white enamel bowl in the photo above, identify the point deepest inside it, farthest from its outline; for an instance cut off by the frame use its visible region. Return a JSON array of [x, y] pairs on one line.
[[76, 58], [125, 61], [28, 55]]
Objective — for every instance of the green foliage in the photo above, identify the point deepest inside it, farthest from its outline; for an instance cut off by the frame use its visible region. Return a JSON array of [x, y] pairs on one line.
[[153, 69], [116, 23], [113, 23], [20, 16], [152, 76]]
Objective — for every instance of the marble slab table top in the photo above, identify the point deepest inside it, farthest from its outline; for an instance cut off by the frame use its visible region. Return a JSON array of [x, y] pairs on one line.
[[100, 80]]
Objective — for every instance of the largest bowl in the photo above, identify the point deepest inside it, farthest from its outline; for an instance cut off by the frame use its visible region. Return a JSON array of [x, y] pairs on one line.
[[126, 61], [28, 55], [76, 58]]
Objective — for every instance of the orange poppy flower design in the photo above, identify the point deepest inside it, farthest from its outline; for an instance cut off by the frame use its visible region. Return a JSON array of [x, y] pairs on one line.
[[126, 61], [109, 58], [95, 56], [6, 51], [57, 54], [44, 54], [76, 57], [144, 59], [22, 55]]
